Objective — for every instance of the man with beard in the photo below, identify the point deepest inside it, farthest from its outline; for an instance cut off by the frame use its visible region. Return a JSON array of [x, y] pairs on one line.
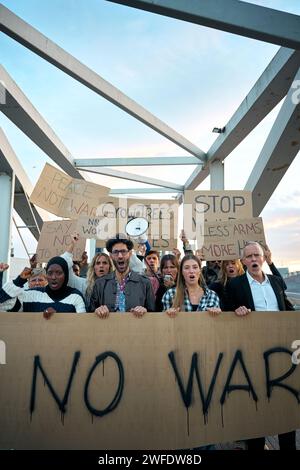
[[122, 290], [258, 291]]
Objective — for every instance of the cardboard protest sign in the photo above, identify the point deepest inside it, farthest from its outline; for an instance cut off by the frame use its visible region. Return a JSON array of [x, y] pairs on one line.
[[226, 240], [126, 387], [54, 239], [64, 196], [114, 213]]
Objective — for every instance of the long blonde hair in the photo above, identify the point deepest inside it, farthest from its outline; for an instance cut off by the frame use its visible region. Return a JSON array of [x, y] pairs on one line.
[[180, 286], [91, 276], [223, 274]]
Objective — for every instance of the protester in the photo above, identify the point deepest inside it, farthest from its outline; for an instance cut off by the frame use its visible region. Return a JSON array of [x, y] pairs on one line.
[[257, 291], [123, 290], [191, 293], [55, 297]]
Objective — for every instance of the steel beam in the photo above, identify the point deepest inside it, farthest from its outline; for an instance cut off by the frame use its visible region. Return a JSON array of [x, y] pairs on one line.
[[267, 92], [217, 175], [143, 191], [31, 38], [278, 152], [9, 163], [139, 161], [133, 177], [233, 16], [6, 198], [24, 115]]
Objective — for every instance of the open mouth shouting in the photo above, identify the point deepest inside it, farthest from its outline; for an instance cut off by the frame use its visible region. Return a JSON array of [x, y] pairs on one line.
[[121, 265]]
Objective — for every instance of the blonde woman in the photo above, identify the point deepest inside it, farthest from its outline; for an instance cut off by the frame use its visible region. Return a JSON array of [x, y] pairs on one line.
[[100, 265], [229, 270], [190, 293]]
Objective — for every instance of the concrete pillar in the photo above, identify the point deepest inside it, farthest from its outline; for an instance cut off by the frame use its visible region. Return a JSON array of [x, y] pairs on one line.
[[217, 175], [7, 187]]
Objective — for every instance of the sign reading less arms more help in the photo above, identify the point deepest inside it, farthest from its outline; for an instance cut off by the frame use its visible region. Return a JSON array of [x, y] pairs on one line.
[[226, 240], [207, 380], [64, 196], [54, 239], [114, 213]]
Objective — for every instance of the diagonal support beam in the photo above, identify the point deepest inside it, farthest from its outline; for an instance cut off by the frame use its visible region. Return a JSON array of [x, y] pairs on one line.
[[267, 92], [142, 191], [233, 16], [31, 38], [278, 152], [9, 163], [133, 177]]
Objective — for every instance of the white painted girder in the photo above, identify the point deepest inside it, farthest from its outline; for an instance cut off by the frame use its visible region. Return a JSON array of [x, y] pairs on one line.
[[278, 152], [143, 191], [233, 16], [10, 163], [31, 38]]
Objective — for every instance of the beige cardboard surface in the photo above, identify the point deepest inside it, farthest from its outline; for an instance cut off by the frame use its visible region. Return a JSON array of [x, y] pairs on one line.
[[114, 213], [146, 407], [216, 205], [54, 239], [64, 196], [226, 240]]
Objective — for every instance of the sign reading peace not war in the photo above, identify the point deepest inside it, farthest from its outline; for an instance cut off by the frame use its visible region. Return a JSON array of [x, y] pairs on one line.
[[64, 196], [220, 205], [206, 380], [226, 240], [55, 238], [114, 213]]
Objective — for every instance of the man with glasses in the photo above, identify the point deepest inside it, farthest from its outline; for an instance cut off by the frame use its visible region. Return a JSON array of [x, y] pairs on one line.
[[257, 291], [122, 290]]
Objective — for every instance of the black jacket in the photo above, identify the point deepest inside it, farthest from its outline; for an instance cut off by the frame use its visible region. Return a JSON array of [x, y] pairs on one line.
[[239, 293]]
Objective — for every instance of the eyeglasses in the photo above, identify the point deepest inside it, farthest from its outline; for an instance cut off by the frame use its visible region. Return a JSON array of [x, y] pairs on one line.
[[121, 252]]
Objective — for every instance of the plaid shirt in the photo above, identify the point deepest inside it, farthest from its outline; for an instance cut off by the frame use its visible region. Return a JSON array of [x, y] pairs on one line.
[[209, 299]]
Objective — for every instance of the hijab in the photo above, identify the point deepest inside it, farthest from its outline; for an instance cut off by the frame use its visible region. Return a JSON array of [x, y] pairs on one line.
[[65, 290]]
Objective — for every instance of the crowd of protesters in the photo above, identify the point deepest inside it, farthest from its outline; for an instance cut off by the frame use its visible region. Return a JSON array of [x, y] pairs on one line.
[[122, 280]]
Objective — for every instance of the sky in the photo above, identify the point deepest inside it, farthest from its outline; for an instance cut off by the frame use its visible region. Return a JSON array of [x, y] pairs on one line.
[[191, 77]]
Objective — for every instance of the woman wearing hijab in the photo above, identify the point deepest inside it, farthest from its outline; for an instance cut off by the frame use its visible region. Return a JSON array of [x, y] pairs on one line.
[[57, 296]]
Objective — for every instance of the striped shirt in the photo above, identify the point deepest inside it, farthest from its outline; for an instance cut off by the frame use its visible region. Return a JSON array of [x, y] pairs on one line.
[[209, 299], [37, 300]]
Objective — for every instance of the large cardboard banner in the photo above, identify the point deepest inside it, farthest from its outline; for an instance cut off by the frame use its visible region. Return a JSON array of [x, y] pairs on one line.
[[55, 238], [64, 196], [226, 240], [114, 213], [78, 382]]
